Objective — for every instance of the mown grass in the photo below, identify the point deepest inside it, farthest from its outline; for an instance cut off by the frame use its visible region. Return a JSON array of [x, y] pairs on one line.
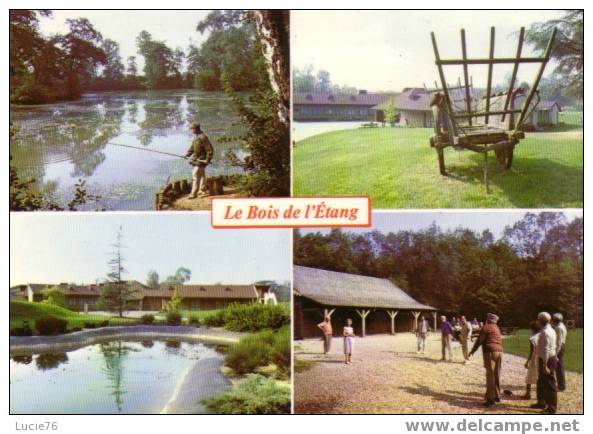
[[24, 311], [397, 168], [573, 356]]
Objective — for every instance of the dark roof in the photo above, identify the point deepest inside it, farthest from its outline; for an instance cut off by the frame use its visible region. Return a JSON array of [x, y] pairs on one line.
[[365, 99], [547, 105], [331, 288], [186, 291], [415, 98]]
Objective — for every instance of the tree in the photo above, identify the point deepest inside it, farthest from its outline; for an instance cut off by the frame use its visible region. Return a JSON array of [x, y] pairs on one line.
[[132, 68], [114, 68], [391, 112], [175, 302], [161, 63], [181, 276], [152, 279], [54, 295], [116, 294], [567, 49]]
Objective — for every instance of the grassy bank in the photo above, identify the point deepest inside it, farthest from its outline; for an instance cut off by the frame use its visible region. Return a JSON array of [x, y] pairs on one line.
[[397, 168], [24, 311], [573, 356]]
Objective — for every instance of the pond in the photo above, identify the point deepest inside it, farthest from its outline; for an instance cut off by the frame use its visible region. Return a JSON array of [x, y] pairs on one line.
[[127, 377], [60, 144]]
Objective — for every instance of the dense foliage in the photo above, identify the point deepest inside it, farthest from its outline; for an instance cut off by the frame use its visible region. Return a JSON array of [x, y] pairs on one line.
[[51, 326], [259, 350], [537, 264], [306, 80], [252, 317], [255, 394]]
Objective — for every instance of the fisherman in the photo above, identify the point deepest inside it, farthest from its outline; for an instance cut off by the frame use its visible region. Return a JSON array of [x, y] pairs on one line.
[[201, 152]]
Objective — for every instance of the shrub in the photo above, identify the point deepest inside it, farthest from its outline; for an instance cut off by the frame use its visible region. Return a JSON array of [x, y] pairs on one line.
[[173, 318], [104, 323], [51, 326], [253, 395], [76, 329], [250, 352], [147, 318], [281, 352], [255, 316], [89, 325], [24, 330], [214, 320], [194, 320]]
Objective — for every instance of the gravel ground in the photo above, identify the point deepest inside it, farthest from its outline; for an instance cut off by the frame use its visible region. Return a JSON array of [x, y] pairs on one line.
[[387, 376]]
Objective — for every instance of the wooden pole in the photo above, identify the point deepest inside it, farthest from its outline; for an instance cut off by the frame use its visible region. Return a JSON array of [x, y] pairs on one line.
[[416, 314], [486, 170], [489, 81], [328, 313], [392, 314], [538, 77], [515, 70], [363, 313], [434, 317], [468, 103], [443, 81]]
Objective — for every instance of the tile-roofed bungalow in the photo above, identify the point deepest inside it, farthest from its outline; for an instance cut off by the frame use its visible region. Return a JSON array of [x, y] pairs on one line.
[[415, 111], [86, 297], [331, 107], [375, 305]]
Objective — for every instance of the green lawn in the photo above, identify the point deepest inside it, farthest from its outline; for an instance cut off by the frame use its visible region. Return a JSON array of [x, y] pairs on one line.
[[201, 314], [24, 311], [397, 168], [573, 357]]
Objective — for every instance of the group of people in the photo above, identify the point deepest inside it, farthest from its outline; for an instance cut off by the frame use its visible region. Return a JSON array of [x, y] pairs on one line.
[[545, 364]]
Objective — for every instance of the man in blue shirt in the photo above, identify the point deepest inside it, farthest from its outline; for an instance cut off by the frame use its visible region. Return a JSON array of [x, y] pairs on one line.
[[446, 332]]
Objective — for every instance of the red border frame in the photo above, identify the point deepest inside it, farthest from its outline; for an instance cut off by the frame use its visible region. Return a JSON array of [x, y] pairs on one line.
[[368, 225]]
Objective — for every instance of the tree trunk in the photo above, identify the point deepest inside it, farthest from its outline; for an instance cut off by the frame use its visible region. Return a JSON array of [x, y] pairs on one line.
[[273, 30]]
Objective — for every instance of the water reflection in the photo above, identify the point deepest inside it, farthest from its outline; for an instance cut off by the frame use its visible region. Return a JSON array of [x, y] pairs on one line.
[[47, 361], [57, 144], [114, 354], [24, 360]]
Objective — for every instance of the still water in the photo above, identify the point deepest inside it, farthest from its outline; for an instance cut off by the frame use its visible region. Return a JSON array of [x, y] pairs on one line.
[[58, 144], [116, 377]]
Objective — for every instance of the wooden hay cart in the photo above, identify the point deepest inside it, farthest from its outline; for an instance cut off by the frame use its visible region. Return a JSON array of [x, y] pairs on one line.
[[476, 119]]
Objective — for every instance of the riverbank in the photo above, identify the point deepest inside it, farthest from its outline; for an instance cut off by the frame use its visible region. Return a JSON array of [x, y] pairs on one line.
[[71, 341]]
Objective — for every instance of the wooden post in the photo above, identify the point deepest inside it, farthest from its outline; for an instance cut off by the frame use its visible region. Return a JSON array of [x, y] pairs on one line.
[[468, 103], [416, 315], [434, 317], [489, 81], [538, 77], [328, 313], [363, 313], [514, 73], [443, 81], [486, 170], [392, 314]]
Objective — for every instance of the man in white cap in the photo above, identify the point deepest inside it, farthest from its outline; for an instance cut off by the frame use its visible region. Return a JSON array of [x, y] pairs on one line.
[[490, 340], [547, 391], [561, 332]]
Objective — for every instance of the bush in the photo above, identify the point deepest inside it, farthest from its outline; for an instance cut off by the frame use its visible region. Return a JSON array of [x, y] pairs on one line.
[[214, 320], [24, 330], [255, 316], [51, 326], [194, 320], [104, 323], [173, 318], [281, 351], [89, 325], [253, 395], [250, 352], [147, 318]]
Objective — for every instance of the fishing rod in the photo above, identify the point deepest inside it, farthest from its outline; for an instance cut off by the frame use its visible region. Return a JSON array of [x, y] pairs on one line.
[[148, 150]]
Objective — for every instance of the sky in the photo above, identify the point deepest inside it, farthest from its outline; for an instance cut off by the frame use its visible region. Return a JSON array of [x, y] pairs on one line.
[[75, 248], [176, 28], [495, 221], [390, 50]]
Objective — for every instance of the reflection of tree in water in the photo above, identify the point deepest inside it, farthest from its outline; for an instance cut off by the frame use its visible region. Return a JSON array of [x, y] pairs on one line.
[[159, 117], [47, 361], [147, 344], [114, 354], [172, 346], [70, 136], [132, 107], [23, 360]]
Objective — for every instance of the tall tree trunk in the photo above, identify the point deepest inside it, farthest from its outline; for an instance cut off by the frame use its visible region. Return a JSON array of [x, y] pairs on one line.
[[273, 30]]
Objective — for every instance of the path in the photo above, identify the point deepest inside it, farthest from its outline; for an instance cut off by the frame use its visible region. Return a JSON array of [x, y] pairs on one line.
[[303, 130], [387, 376]]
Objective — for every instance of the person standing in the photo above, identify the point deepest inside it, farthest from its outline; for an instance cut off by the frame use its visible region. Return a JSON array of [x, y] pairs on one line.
[[446, 332], [561, 333], [465, 337], [326, 329], [547, 389], [201, 152], [422, 330], [348, 334], [531, 363], [490, 339]]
